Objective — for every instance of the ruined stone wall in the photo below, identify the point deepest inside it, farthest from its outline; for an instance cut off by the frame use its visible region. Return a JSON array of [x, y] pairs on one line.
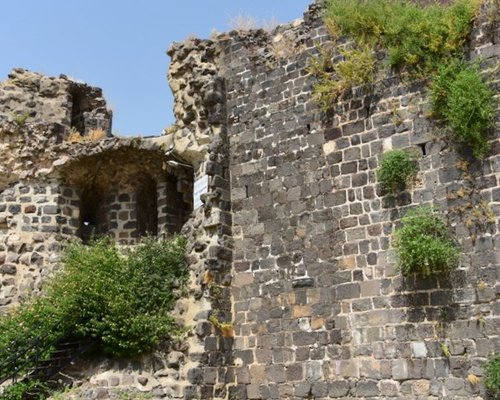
[[31, 97], [294, 289], [200, 137], [319, 308]]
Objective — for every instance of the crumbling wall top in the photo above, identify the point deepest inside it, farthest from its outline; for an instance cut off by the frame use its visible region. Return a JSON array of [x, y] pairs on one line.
[[32, 97]]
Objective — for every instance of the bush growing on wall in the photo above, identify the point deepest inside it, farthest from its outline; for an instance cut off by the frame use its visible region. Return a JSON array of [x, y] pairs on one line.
[[492, 376], [423, 244], [466, 103], [397, 169], [121, 302]]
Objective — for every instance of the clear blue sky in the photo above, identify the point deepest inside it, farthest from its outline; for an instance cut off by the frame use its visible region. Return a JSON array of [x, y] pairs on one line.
[[120, 45]]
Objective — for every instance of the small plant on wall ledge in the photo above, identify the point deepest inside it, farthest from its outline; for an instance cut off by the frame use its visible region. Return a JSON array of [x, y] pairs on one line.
[[492, 376], [424, 245], [225, 328], [397, 170]]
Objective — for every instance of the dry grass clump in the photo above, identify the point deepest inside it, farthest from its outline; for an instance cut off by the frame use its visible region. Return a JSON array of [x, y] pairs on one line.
[[93, 136], [244, 22]]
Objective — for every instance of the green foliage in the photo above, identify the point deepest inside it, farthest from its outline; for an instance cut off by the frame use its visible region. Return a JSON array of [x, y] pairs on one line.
[[20, 118], [397, 169], [416, 37], [120, 301], [34, 390], [423, 244], [356, 69], [492, 375], [466, 103]]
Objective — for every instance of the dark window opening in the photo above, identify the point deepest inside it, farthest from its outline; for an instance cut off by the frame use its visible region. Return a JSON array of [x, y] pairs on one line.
[[93, 221], [147, 208]]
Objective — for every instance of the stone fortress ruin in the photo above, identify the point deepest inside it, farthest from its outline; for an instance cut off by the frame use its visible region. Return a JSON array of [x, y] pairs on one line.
[[289, 234]]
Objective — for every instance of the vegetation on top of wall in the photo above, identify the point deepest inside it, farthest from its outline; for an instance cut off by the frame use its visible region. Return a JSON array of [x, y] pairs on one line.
[[397, 169], [426, 41], [424, 245], [466, 103], [357, 68], [119, 301], [492, 376], [415, 36]]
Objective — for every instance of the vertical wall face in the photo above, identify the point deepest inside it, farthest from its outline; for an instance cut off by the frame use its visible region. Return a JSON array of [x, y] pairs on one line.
[[34, 220], [320, 309], [200, 138]]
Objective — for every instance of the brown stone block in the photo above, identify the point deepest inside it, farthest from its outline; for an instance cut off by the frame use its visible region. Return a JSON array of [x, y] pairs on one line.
[[300, 311], [348, 262], [30, 209], [317, 323]]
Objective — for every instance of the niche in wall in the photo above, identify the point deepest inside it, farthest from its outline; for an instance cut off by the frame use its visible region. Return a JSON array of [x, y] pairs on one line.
[[80, 107]]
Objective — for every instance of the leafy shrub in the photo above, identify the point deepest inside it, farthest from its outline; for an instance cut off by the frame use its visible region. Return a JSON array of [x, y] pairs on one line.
[[397, 169], [466, 103], [492, 375], [119, 301], [415, 36], [335, 79], [25, 389], [423, 244]]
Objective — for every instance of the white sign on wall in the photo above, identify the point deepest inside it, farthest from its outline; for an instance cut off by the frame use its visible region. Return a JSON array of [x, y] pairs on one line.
[[200, 187]]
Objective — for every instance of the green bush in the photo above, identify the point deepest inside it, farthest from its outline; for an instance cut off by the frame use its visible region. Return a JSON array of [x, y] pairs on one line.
[[121, 301], [492, 376], [461, 97], [415, 36], [397, 169], [34, 390], [423, 244]]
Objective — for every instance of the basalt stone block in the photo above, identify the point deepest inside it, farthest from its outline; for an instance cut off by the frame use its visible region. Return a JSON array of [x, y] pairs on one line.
[[8, 269], [302, 282], [14, 209]]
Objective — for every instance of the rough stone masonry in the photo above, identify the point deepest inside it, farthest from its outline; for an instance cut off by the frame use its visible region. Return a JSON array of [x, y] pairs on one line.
[[295, 292]]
